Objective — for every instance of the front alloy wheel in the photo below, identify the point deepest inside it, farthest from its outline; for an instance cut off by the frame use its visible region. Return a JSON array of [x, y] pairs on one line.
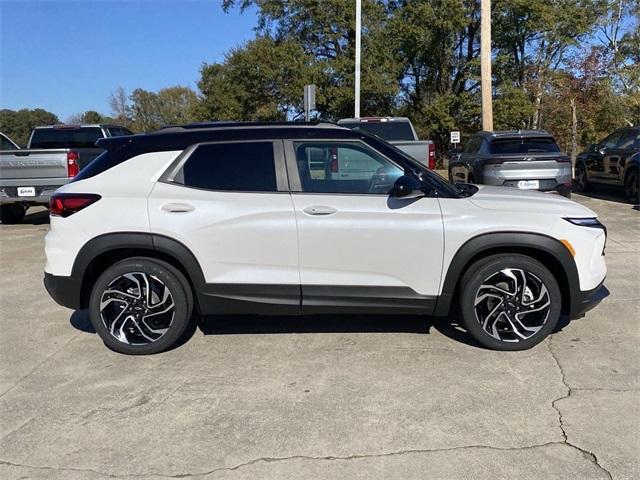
[[141, 306], [509, 301], [512, 305]]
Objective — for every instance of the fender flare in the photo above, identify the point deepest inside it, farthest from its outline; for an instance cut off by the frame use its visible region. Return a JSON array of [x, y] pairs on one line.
[[473, 249], [102, 244]]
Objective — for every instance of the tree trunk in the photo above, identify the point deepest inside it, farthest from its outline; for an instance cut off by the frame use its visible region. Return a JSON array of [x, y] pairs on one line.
[[537, 100], [574, 133]]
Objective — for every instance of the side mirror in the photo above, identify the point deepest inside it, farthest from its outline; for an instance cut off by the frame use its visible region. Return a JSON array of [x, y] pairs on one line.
[[407, 187]]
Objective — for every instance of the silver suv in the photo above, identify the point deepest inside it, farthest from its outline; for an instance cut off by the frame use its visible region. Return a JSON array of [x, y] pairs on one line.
[[525, 159]]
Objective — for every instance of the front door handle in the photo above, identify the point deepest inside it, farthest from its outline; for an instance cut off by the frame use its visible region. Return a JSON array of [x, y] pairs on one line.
[[320, 210], [178, 207]]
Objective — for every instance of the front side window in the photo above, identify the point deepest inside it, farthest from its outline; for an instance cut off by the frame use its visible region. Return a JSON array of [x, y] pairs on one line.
[[628, 139], [245, 167], [612, 140], [351, 168], [473, 145]]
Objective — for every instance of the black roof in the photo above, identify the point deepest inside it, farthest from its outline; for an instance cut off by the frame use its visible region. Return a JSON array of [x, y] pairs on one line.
[[181, 136]]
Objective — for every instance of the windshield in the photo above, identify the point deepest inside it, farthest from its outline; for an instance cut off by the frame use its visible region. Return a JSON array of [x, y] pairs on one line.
[[390, 130], [523, 145]]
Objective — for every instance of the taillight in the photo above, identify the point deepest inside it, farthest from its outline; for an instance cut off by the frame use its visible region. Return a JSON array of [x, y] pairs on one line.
[[73, 168], [65, 204], [432, 156]]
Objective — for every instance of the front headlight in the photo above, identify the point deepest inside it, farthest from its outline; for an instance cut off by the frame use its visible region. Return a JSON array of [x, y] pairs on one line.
[[591, 222]]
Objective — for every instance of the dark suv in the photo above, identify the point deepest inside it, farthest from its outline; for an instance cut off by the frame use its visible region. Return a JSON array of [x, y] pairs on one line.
[[525, 159], [613, 161]]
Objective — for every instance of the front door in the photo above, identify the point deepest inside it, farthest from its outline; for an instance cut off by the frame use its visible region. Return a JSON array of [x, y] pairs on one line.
[[359, 247]]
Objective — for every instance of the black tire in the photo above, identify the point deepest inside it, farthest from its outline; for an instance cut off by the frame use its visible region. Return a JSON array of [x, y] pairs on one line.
[[161, 277], [632, 186], [582, 180], [540, 322], [12, 213]]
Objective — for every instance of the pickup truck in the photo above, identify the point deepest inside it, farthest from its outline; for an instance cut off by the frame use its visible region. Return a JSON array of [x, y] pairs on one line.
[[399, 132], [54, 155]]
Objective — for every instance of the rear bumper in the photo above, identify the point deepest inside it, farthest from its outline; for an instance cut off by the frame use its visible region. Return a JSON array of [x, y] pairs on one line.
[[42, 196], [66, 291], [583, 301]]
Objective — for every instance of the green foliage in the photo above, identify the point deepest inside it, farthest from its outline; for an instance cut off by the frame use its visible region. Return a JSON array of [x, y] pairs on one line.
[[18, 124]]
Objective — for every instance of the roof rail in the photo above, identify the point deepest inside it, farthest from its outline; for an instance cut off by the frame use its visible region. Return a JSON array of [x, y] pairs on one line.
[[231, 124]]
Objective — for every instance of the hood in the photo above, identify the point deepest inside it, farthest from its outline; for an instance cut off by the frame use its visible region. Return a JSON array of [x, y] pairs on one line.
[[527, 201]]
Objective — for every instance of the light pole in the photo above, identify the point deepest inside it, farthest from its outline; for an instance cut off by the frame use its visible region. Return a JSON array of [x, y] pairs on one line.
[[356, 108], [485, 64]]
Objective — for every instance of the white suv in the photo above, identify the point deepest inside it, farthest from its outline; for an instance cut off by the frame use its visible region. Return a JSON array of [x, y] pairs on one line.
[[273, 219]]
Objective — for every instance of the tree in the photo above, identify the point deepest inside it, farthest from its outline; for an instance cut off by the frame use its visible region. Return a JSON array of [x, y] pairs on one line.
[[169, 106], [261, 81], [119, 103], [88, 117], [18, 124], [325, 38]]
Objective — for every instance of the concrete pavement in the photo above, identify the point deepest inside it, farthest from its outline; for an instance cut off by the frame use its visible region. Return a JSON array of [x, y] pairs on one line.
[[319, 397]]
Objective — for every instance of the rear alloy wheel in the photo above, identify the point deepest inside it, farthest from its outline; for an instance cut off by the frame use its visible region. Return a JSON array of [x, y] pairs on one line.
[[510, 302], [12, 213], [632, 186], [141, 306], [582, 181]]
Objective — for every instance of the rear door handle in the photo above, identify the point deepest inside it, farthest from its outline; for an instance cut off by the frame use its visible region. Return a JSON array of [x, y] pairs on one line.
[[319, 210], [178, 207]]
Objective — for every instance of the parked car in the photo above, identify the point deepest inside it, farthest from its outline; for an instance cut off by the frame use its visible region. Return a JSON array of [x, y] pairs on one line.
[[6, 143], [53, 156], [399, 132], [525, 159], [613, 161], [229, 219]]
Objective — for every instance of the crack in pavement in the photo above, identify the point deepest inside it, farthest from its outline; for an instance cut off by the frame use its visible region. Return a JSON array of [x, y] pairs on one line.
[[590, 455]]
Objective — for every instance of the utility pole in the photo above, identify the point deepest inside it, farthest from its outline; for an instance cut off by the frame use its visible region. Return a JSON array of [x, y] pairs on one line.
[[485, 64], [356, 109]]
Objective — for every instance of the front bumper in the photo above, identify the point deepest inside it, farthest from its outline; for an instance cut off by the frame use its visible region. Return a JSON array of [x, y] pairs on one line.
[[66, 291], [583, 301]]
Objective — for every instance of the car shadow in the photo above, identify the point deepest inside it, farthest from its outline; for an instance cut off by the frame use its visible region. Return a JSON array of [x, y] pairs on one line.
[[36, 217], [210, 325], [609, 193]]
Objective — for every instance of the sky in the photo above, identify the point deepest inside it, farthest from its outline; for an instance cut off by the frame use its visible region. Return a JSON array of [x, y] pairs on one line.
[[67, 56]]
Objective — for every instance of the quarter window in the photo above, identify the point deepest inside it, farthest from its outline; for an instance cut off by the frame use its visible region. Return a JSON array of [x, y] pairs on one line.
[[247, 167], [344, 168]]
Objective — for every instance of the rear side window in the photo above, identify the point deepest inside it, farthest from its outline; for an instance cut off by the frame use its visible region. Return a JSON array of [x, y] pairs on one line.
[[390, 131], [84, 137], [523, 145], [246, 167]]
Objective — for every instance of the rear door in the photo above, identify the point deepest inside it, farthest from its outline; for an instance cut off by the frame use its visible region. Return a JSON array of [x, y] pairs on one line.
[[360, 248], [228, 202]]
